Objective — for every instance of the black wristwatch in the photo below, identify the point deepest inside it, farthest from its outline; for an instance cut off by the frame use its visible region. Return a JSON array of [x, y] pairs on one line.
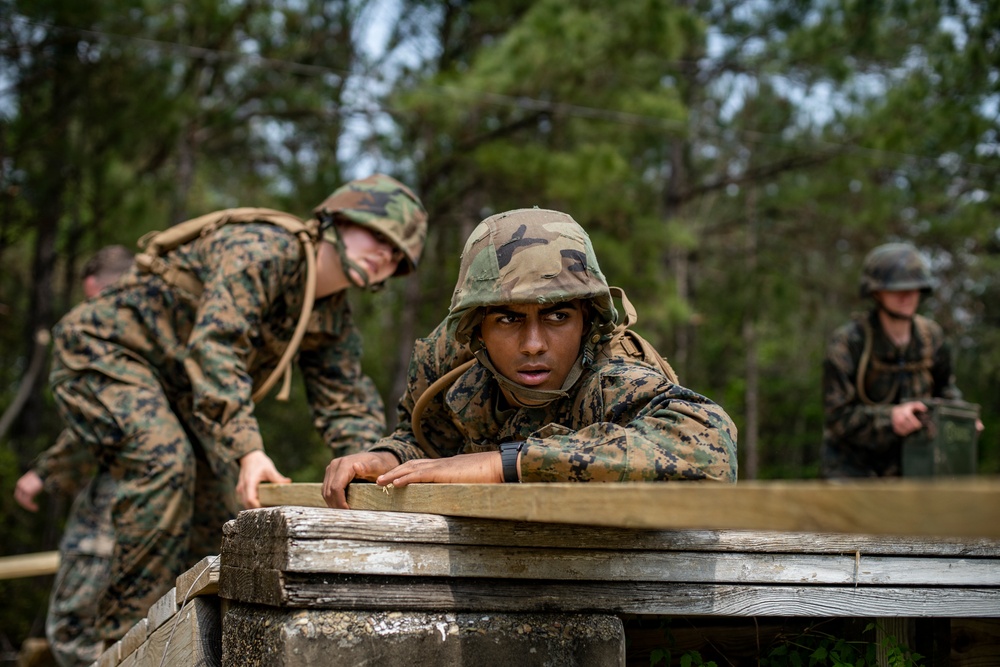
[[508, 457]]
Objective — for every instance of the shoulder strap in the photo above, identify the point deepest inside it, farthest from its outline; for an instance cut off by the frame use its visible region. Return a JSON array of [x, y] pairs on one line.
[[157, 243], [625, 340]]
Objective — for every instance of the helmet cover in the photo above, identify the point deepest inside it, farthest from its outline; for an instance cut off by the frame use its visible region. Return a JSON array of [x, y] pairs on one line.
[[895, 267], [524, 256], [384, 205]]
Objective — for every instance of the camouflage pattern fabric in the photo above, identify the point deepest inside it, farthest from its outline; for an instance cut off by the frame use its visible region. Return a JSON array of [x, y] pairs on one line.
[[858, 440], [624, 421], [84, 565], [66, 466], [71, 625], [158, 387], [527, 256], [617, 418], [895, 267], [385, 206]]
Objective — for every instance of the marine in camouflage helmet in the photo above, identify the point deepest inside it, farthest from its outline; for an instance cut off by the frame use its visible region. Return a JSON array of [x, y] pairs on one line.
[[382, 205], [529, 256], [895, 267], [616, 418]]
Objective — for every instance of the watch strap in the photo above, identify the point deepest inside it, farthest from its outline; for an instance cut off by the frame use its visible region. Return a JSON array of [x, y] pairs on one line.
[[508, 458]]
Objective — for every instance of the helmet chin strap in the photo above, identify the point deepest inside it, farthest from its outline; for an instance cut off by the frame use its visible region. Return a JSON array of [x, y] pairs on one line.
[[519, 395], [349, 267], [895, 315]]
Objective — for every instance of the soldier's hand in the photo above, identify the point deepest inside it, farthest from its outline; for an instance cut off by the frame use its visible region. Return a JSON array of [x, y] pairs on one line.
[[478, 468], [28, 486], [341, 471], [256, 467], [906, 417]]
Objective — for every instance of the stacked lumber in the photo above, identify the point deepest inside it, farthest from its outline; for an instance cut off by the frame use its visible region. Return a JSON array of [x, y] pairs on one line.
[[183, 627], [302, 557]]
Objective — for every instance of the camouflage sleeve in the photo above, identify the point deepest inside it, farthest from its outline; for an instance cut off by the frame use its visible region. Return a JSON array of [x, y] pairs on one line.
[[647, 429], [846, 418], [431, 358], [254, 263], [346, 406], [65, 466]]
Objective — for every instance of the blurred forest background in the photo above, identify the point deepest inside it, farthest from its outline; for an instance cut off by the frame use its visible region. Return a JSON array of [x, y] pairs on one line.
[[733, 162]]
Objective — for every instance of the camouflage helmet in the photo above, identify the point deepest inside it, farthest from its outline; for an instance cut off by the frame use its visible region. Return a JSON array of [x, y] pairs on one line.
[[384, 205], [895, 267], [529, 255]]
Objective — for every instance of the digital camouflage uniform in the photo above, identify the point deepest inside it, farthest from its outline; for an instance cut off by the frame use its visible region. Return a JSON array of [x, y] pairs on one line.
[[84, 550], [88, 541], [858, 439], [158, 385], [620, 419]]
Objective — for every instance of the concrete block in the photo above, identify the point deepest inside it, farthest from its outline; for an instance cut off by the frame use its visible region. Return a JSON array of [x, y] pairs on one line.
[[269, 637]]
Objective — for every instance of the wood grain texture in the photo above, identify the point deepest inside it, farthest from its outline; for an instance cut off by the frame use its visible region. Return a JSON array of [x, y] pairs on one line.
[[202, 579], [192, 637], [899, 507], [264, 532], [505, 595], [510, 562]]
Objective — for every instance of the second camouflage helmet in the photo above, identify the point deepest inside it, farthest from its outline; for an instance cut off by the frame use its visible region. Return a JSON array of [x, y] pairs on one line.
[[528, 255], [895, 267], [384, 205]]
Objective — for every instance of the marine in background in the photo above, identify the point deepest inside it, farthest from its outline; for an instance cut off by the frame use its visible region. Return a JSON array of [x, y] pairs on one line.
[[879, 366]]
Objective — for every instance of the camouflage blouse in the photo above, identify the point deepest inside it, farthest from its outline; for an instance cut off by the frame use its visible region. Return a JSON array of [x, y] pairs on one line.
[[623, 422], [858, 440], [208, 353]]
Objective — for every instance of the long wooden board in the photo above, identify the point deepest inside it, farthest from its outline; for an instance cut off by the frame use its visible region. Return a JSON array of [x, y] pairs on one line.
[[331, 591], [30, 565], [434, 560], [265, 529], [967, 508]]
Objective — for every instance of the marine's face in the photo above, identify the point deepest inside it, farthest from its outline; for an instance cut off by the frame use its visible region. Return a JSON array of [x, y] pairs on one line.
[[904, 302], [371, 251], [534, 345]]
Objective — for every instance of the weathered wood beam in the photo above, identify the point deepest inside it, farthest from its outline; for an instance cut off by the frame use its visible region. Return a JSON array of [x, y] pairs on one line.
[[941, 508], [419, 593]]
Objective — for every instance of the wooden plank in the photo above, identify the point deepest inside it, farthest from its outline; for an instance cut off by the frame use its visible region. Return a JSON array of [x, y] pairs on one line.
[[969, 508], [429, 560], [134, 638], [111, 656], [29, 565], [351, 592], [162, 610], [263, 532], [192, 637], [202, 579]]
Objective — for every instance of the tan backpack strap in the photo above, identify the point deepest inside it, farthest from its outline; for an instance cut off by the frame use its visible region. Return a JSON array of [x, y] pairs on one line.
[[425, 398], [635, 345], [300, 329]]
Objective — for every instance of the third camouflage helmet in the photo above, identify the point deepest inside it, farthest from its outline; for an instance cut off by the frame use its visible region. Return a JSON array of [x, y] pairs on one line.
[[528, 255], [384, 205], [895, 267]]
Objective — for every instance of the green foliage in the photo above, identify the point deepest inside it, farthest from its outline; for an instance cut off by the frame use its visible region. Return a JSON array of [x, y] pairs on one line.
[[733, 167], [819, 649]]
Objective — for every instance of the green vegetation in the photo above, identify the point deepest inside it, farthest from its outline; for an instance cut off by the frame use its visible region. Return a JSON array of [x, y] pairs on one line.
[[734, 165]]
